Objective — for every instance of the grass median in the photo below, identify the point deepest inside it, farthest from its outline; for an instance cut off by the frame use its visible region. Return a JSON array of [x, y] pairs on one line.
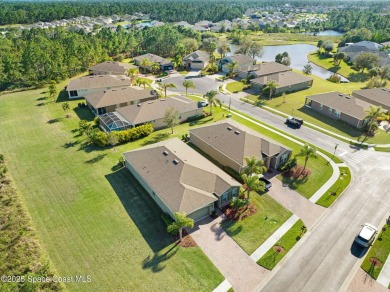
[[336, 189]]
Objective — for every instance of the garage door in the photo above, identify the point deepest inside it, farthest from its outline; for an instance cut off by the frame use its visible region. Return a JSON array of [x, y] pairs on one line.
[[201, 213]]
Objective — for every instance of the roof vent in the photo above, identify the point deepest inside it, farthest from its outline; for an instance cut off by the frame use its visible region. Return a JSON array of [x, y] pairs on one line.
[[229, 128], [237, 132], [384, 89], [100, 75], [105, 91], [348, 97], [175, 161], [165, 153], [150, 102], [162, 99], [138, 104], [340, 94]]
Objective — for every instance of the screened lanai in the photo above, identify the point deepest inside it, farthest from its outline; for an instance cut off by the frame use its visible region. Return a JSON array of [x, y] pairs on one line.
[[113, 122]]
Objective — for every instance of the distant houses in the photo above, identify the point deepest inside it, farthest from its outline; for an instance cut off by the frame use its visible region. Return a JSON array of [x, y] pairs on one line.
[[229, 144], [179, 179], [165, 64], [353, 50], [110, 68]]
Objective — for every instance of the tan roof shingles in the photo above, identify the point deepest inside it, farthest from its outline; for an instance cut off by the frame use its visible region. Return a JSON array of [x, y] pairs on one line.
[[114, 67], [198, 55], [283, 79], [153, 58], [237, 146], [379, 95], [153, 110], [117, 96], [183, 187], [343, 103], [265, 68], [98, 81]]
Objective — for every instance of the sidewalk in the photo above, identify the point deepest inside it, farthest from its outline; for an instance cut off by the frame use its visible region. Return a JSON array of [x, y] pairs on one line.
[[384, 276]]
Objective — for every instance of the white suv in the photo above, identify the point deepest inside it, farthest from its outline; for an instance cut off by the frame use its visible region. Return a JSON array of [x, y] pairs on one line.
[[366, 235]]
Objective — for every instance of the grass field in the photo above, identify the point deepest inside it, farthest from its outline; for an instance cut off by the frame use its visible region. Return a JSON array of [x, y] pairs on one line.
[[275, 39], [92, 217], [235, 86], [252, 231], [338, 187], [380, 250], [287, 241], [293, 104]]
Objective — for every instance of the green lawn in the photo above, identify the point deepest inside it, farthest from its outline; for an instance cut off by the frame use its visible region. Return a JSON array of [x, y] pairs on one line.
[[92, 217], [338, 187], [275, 39], [235, 86], [252, 231], [379, 250], [293, 104], [287, 241], [321, 171]]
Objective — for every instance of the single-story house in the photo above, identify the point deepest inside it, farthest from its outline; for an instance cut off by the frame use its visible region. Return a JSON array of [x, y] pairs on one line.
[[262, 69], [197, 60], [179, 179], [242, 61], [111, 99], [354, 50], [165, 64], [287, 82], [153, 111], [339, 106], [110, 68], [375, 96], [229, 144], [86, 85]]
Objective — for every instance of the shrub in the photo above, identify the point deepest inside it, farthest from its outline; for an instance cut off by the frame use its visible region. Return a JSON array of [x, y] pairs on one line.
[[196, 118], [334, 78], [376, 82], [168, 222]]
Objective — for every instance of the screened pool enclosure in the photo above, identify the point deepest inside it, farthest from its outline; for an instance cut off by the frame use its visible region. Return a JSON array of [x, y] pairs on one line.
[[113, 122]]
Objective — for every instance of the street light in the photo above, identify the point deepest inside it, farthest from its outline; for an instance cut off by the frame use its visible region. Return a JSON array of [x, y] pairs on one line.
[[334, 153]]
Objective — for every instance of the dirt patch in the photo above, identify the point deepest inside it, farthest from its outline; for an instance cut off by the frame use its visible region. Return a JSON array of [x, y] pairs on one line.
[[241, 213], [186, 241], [375, 262], [279, 249], [297, 172]]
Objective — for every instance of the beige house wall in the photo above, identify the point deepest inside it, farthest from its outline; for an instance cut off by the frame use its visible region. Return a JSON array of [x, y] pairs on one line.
[[159, 123]]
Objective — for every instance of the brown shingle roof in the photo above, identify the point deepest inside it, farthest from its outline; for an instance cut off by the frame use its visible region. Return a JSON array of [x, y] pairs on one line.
[[153, 59], [198, 55], [242, 59], [343, 103], [378, 95], [153, 110], [282, 79], [113, 67], [265, 68], [98, 81], [117, 96], [185, 186], [237, 141]]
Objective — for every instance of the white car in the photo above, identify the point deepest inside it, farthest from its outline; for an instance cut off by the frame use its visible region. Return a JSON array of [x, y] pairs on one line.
[[366, 235]]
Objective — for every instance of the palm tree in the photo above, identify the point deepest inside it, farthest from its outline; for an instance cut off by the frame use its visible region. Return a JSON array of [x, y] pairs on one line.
[[252, 183], [141, 81], [165, 86], [155, 67], [271, 87], [307, 152], [210, 96], [66, 107], [188, 84], [144, 64], [232, 67], [372, 116], [181, 221], [132, 73], [254, 166]]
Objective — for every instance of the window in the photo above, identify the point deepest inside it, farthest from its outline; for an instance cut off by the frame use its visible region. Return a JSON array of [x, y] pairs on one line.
[[321, 106], [235, 192], [224, 197], [330, 110], [73, 93], [336, 114], [284, 158]]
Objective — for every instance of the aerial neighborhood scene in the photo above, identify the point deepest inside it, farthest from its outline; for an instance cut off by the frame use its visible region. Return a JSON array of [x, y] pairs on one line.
[[181, 145]]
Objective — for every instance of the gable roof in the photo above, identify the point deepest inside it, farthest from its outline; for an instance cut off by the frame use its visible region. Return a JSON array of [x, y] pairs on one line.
[[282, 79], [182, 178], [265, 68], [344, 103], [118, 95], [377, 95], [153, 58], [98, 81], [237, 141], [198, 55], [242, 59], [113, 67], [153, 110]]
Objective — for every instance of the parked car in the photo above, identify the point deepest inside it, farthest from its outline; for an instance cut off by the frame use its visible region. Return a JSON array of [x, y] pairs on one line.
[[366, 235], [202, 104], [295, 122], [159, 80], [268, 184]]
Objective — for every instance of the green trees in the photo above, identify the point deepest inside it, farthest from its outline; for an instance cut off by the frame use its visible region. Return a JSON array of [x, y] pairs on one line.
[[165, 86], [254, 166], [233, 66], [371, 117], [270, 88], [212, 100], [338, 57], [66, 108], [283, 58], [112, 139], [188, 84], [141, 81], [307, 152], [155, 67], [251, 48], [52, 89], [250, 175], [252, 183], [145, 63], [223, 48], [181, 221], [132, 73], [171, 118], [328, 46], [367, 60], [307, 69]]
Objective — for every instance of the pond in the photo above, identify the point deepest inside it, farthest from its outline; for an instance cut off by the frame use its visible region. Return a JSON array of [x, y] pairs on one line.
[[298, 54], [325, 33]]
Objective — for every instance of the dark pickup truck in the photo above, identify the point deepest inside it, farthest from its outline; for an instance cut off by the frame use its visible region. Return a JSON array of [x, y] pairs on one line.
[[268, 184], [294, 122]]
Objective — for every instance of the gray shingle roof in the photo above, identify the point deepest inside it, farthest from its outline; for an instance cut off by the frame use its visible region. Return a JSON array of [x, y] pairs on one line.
[[185, 186], [265, 68], [283, 79], [98, 81], [242, 59], [113, 67], [198, 55], [153, 59], [379, 95]]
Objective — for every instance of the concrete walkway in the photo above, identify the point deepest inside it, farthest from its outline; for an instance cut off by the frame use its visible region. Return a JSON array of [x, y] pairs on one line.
[[362, 282], [274, 238], [231, 260], [384, 276], [308, 211]]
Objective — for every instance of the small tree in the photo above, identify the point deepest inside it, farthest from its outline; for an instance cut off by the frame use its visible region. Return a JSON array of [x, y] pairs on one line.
[[144, 64], [372, 116], [66, 108], [84, 126], [141, 81], [338, 57], [283, 58], [307, 152], [112, 139], [171, 118], [328, 46], [155, 67], [307, 69], [367, 60], [181, 221], [232, 67], [188, 84], [211, 98], [52, 89], [165, 86], [254, 166], [252, 183], [270, 87], [132, 72]]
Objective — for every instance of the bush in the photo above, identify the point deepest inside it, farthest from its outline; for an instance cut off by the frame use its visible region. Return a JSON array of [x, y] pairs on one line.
[[196, 118], [376, 83], [168, 222], [334, 78]]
